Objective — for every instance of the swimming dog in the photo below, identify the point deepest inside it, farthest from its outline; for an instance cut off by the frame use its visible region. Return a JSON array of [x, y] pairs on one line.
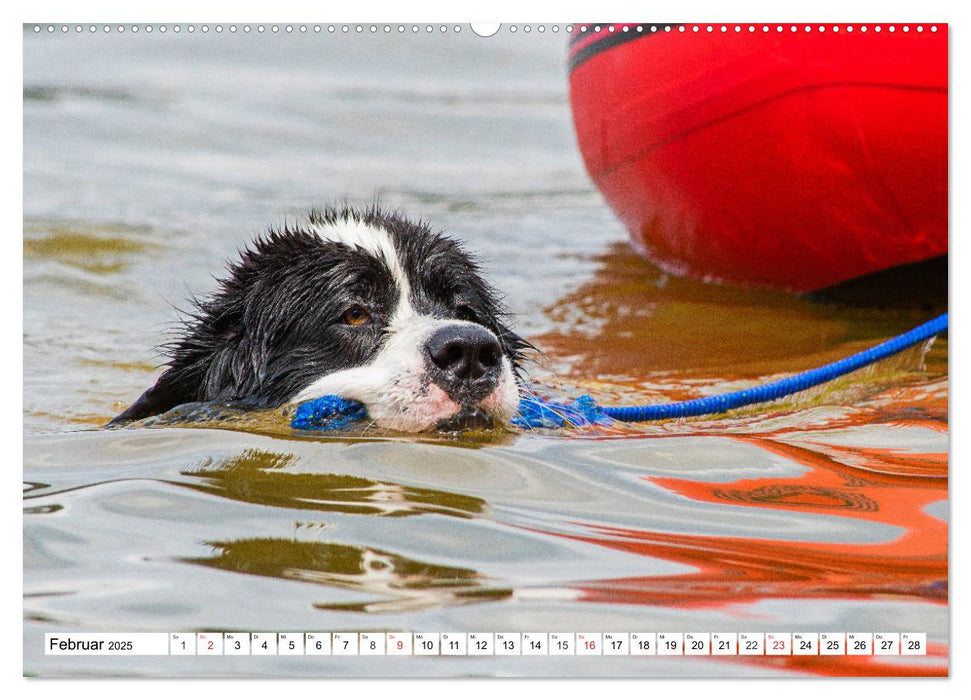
[[361, 304]]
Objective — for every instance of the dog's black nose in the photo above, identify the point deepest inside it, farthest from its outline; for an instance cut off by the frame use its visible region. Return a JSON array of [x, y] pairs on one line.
[[464, 361]]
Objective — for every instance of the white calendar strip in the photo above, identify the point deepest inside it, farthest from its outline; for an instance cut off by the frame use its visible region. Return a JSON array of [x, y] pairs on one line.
[[487, 644]]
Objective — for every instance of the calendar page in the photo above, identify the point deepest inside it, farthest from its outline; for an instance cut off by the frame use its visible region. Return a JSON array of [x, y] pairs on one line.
[[434, 223]]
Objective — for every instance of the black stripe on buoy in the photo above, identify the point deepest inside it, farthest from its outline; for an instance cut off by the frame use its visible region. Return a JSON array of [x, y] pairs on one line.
[[610, 40]]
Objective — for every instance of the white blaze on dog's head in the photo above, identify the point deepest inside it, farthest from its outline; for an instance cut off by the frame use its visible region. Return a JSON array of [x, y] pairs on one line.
[[375, 240], [396, 386]]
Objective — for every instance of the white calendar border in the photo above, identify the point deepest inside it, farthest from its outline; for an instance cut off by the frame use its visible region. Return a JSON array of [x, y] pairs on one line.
[[830, 10]]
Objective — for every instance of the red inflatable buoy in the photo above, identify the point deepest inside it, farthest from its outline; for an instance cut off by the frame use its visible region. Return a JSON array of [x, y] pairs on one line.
[[784, 157]]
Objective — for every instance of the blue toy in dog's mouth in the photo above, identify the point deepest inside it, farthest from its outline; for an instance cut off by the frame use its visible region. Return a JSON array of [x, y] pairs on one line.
[[333, 412], [328, 413]]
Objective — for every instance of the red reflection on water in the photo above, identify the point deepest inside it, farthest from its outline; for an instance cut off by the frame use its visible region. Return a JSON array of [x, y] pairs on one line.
[[890, 487], [885, 486]]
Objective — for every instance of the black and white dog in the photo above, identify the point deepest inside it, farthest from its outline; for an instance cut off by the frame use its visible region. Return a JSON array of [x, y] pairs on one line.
[[361, 304]]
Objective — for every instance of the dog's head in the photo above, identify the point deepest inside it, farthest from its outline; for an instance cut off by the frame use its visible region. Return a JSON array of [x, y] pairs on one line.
[[360, 304]]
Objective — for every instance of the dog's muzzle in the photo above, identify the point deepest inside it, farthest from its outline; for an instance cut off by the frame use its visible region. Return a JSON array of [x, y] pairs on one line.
[[464, 360]]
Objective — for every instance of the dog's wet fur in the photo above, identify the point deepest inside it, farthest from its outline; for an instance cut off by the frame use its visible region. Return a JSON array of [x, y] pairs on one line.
[[362, 304]]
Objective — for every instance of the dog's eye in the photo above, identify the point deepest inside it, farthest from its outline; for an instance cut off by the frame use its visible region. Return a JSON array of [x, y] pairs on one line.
[[356, 316], [465, 313]]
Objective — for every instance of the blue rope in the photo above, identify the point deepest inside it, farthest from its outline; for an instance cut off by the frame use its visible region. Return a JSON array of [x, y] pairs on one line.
[[332, 412], [783, 387]]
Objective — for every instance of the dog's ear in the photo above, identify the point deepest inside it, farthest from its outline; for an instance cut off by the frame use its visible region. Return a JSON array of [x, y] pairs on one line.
[[167, 393]]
